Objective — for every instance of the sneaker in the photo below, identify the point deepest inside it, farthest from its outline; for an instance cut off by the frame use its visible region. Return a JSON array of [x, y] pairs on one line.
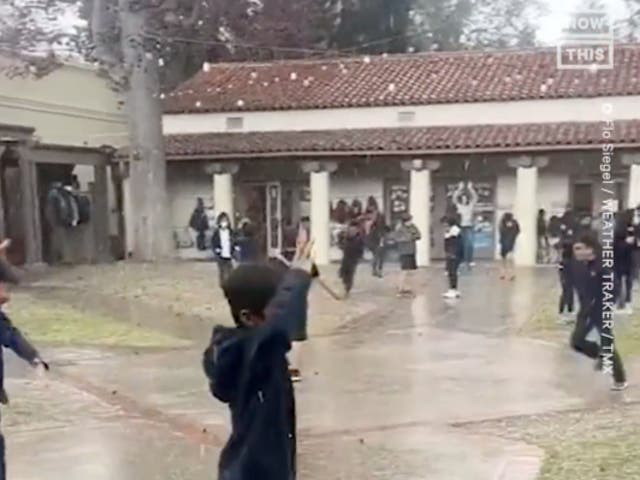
[[628, 310], [451, 294], [472, 264], [619, 386], [621, 310]]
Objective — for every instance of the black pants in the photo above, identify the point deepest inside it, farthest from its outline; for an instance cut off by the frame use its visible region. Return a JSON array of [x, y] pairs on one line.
[[623, 280], [201, 241], [584, 324], [347, 272], [568, 286], [225, 265], [452, 272], [379, 254]]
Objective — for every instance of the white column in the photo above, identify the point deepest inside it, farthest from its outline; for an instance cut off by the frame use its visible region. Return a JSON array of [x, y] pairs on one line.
[[223, 194], [319, 183], [525, 212], [634, 185], [222, 174], [320, 232], [420, 205]]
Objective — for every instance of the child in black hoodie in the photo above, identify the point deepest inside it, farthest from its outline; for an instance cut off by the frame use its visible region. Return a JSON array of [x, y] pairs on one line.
[[567, 270], [623, 246], [12, 338], [352, 244], [247, 368]]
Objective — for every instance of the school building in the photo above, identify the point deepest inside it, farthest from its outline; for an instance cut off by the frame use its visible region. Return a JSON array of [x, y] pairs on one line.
[[277, 141], [65, 125]]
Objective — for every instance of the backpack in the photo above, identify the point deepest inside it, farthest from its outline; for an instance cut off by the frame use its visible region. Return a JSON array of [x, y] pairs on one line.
[[84, 208], [67, 209]]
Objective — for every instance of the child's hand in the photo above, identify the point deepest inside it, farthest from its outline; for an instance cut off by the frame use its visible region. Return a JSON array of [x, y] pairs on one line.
[[40, 366], [303, 259]]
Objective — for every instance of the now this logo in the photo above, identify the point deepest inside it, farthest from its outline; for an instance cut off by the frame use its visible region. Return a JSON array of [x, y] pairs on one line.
[[587, 42]]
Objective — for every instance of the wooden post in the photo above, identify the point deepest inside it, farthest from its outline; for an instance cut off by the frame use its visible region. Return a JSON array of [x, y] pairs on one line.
[[100, 213], [3, 231], [30, 208]]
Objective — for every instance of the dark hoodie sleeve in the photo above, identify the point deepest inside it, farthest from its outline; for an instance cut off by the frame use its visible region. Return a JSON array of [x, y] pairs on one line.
[[289, 303], [12, 338], [286, 309]]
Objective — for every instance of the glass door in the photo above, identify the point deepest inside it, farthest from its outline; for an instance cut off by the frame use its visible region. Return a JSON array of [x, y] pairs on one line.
[[274, 218]]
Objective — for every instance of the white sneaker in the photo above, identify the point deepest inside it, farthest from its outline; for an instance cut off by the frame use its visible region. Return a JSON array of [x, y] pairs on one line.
[[628, 309], [451, 294], [619, 386]]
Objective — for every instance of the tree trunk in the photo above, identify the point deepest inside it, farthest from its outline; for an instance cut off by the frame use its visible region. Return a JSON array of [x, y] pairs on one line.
[[152, 236]]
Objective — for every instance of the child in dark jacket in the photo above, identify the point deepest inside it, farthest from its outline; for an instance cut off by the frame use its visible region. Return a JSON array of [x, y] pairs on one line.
[[567, 270], [452, 248], [623, 246], [509, 231], [594, 283], [247, 368], [11, 337], [224, 246], [352, 244]]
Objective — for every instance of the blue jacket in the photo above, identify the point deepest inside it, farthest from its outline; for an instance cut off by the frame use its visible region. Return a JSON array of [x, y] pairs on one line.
[[247, 368], [11, 337]]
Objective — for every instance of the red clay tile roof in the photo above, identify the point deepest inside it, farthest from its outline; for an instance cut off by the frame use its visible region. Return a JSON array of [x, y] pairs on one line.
[[449, 139], [416, 79]]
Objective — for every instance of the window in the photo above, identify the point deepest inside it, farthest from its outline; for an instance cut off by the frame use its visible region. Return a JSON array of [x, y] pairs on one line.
[[235, 123], [406, 117]]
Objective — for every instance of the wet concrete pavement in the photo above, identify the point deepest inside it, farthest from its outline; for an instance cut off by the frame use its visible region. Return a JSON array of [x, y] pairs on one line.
[[387, 383]]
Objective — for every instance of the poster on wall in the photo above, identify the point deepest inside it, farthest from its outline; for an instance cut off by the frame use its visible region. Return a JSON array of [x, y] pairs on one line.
[[398, 202], [485, 192]]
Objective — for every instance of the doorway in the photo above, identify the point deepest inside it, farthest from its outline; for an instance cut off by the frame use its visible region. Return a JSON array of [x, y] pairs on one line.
[[582, 197], [261, 204]]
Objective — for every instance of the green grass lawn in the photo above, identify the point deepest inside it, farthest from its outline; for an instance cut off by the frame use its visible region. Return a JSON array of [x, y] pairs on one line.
[[615, 456], [544, 324], [61, 324], [579, 445], [591, 445]]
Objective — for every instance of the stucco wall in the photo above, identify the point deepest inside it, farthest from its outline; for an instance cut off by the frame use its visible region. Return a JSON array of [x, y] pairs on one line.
[[530, 111], [185, 185], [70, 106], [351, 188]]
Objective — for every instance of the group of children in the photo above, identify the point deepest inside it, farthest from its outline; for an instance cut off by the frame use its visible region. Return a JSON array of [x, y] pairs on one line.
[[370, 232], [455, 249], [602, 287], [626, 246]]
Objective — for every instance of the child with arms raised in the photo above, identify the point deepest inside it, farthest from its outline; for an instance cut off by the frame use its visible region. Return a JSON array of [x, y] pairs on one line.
[[247, 368]]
